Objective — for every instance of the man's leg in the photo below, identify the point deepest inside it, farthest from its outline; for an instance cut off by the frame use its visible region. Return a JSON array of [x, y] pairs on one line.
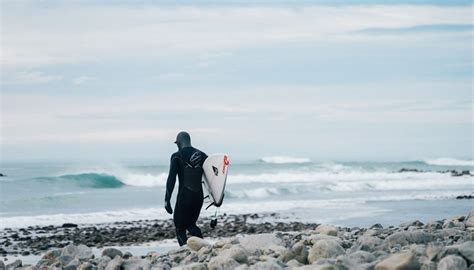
[[195, 231], [182, 237]]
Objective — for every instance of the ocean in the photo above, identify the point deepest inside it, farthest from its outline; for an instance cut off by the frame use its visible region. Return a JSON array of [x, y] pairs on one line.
[[340, 193]]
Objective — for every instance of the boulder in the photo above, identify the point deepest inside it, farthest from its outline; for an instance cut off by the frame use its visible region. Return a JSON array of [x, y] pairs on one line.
[[65, 259], [398, 261], [135, 264], [433, 249], [326, 229], [324, 249], [72, 265], [398, 238], [13, 265], [114, 264], [52, 254], [238, 253], [2, 265], [262, 241], [111, 252], [316, 237], [196, 243], [362, 256], [102, 262], [267, 265], [369, 243], [80, 252], [192, 266], [467, 251], [293, 264], [298, 252], [222, 263], [469, 221], [452, 262], [86, 266]]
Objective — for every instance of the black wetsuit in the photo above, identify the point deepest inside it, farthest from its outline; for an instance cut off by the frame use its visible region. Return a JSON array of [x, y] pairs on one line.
[[187, 163]]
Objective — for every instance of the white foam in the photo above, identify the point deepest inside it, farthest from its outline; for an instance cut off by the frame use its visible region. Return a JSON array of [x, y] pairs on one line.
[[449, 162], [284, 160]]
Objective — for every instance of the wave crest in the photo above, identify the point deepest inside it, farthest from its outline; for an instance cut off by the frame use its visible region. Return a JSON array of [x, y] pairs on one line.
[[449, 162], [284, 160]]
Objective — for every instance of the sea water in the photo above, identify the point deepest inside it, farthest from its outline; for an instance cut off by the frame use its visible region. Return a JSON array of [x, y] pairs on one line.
[[340, 193]]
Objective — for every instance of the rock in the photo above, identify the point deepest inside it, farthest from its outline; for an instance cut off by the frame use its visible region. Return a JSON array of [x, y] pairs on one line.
[[469, 222], [13, 265], [398, 238], [324, 249], [259, 241], [69, 225], [52, 254], [128, 254], [293, 263], [222, 263], [196, 243], [238, 253], [433, 249], [362, 256], [192, 266], [72, 265], [268, 265], [398, 261], [369, 243], [452, 262], [434, 225], [102, 262], [327, 230], [28, 267], [81, 252], [2, 265], [316, 237], [65, 259], [111, 252], [298, 252], [135, 264], [415, 223], [467, 251], [114, 264], [86, 266]]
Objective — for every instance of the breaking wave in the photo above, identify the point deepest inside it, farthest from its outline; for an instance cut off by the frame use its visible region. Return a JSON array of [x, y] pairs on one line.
[[449, 162], [284, 160]]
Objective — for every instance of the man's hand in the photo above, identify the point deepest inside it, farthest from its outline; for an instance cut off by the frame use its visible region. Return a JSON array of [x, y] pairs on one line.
[[168, 207]]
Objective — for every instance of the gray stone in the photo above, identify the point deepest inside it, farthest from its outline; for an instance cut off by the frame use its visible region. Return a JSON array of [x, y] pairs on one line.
[[469, 222], [111, 252], [128, 254], [327, 230], [433, 249], [102, 262], [467, 251], [298, 252], [398, 261], [115, 263], [28, 267], [13, 265], [324, 249], [362, 256], [369, 243], [52, 254], [81, 252], [65, 259], [262, 241], [86, 266], [192, 266], [222, 263], [415, 223], [452, 262], [434, 225], [2, 265], [196, 243], [135, 263], [293, 264], [238, 253], [398, 238], [426, 264], [268, 265], [72, 265], [316, 237]]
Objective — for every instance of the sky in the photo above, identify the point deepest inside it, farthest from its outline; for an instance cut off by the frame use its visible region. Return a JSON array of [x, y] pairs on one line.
[[328, 80]]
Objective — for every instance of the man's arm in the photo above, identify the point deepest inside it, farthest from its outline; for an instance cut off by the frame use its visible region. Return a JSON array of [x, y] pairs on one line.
[[171, 182]]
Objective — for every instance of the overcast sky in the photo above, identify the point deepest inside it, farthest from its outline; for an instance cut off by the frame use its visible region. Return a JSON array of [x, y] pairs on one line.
[[328, 80]]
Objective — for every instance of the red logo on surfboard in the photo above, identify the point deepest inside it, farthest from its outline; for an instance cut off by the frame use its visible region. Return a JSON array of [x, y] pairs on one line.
[[226, 163]]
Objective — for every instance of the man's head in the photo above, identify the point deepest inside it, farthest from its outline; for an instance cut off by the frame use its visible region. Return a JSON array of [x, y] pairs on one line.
[[183, 140]]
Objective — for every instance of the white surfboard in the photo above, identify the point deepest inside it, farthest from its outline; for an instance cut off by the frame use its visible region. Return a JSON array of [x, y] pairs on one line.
[[215, 175]]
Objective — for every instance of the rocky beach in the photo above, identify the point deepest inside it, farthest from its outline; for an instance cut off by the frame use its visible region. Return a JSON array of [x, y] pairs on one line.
[[246, 242]]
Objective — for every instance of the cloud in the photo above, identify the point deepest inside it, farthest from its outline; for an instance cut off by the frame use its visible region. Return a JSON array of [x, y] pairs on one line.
[[34, 77], [156, 32]]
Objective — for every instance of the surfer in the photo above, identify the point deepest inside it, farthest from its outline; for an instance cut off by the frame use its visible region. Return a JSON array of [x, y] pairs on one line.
[[187, 164]]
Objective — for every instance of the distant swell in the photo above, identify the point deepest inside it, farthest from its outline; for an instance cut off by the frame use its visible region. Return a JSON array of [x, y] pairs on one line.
[[284, 160], [449, 162], [92, 180]]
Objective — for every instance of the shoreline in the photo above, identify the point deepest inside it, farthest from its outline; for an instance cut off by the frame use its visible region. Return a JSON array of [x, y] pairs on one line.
[[247, 244]]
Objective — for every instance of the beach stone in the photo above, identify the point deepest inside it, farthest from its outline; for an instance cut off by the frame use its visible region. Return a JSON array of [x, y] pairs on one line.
[[263, 241], [267, 265], [222, 263], [452, 262], [13, 265], [368, 243], [29, 267], [2, 265], [433, 249], [128, 254], [327, 230], [469, 221], [293, 264], [72, 265], [298, 252], [196, 243], [135, 264], [111, 252], [434, 225], [115, 263], [52, 254], [86, 266], [467, 251], [81, 252], [102, 262], [362, 256], [398, 261], [415, 223], [238, 253], [65, 259], [192, 266], [398, 238], [324, 249], [426, 264], [316, 237]]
